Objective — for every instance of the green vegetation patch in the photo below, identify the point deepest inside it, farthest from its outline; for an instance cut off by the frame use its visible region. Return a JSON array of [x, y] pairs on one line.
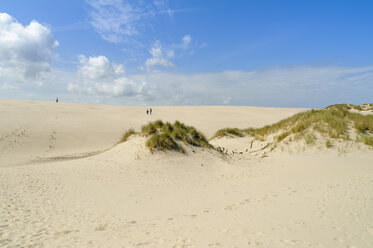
[[368, 140], [328, 144], [332, 122], [162, 142], [363, 123], [164, 136]]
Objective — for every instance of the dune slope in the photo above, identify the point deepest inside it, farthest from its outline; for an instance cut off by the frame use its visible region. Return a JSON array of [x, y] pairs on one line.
[[125, 196]]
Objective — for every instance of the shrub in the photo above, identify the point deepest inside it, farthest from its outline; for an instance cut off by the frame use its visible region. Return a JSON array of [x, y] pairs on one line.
[[328, 144]]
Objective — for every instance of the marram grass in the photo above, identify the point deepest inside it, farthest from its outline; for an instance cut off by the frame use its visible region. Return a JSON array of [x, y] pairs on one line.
[[167, 136], [126, 135], [332, 122]]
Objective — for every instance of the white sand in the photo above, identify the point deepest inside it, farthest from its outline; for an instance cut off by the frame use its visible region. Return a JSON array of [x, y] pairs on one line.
[[127, 197]]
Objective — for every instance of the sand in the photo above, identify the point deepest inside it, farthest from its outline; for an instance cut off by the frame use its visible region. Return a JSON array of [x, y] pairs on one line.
[[64, 183]]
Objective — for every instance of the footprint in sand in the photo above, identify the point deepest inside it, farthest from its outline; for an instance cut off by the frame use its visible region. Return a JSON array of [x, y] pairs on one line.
[[217, 244], [230, 207], [291, 242], [339, 240], [255, 243], [63, 233], [101, 227]]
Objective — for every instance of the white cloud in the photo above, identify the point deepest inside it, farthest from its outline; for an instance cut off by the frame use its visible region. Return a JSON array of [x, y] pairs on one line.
[[95, 68], [185, 42], [117, 20], [161, 56], [100, 77], [158, 57], [26, 52]]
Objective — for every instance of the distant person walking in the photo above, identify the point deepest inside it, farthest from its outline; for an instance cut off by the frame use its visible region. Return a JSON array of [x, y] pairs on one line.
[[147, 111], [151, 110], [56, 99]]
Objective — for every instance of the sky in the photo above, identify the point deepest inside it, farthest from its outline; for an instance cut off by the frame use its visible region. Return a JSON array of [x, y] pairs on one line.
[[187, 52]]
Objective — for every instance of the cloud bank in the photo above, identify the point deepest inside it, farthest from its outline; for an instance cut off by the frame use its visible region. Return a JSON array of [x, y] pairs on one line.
[[99, 77], [26, 52]]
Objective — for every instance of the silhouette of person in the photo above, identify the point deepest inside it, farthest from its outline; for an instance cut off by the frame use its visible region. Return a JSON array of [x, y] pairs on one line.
[[147, 111], [56, 99], [151, 110]]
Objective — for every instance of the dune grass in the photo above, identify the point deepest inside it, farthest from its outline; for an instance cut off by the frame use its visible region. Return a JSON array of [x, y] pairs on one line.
[[368, 140], [362, 123], [165, 136], [162, 142], [229, 132], [328, 144], [126, 135], [332, 122]]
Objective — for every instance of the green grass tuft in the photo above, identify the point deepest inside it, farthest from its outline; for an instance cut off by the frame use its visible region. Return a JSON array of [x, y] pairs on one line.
[[368, 140], [310, 139], [332, 122], [230, 132], [126, 135], [328, 144], [162, 142], [283, 136], [148, 129], [363, 123], [164, 136]]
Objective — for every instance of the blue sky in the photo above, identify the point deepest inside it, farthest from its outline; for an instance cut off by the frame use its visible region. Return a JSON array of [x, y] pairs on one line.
[[263, 53]]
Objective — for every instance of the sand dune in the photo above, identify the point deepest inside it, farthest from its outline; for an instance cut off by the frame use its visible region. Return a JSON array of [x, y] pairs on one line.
[[63, 183], [33, 130]]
